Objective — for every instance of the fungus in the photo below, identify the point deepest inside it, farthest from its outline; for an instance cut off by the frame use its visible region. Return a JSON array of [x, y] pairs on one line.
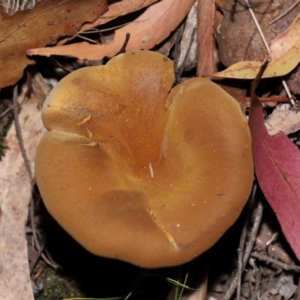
[[139, 171]]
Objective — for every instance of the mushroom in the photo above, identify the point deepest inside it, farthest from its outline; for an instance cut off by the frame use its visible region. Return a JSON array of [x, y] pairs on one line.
[[139, 171]]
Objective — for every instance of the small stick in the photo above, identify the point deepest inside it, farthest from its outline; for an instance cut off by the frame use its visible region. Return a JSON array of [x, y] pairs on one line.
[[37, 256], [270, 99], [57, 63], [258, 216], [272, 239], [257, 283], [288, 92], [268, 49], [253, 234], [240, 257], [19, 133], [251, 290], [85, 38], [258, 26], [6, 111], [284, 13], [123, 48], [269, 260], [241, 248]]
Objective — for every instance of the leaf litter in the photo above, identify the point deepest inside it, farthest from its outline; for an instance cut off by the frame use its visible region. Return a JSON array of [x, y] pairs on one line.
[[237, 35], [284, 56], [284, 119], [148, 30], [22, 31], [269, 148]]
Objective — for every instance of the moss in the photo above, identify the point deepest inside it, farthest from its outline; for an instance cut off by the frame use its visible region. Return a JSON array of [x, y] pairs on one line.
[[57, 287]]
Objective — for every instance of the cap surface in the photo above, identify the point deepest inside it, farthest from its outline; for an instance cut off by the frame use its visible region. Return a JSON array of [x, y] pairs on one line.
[[138, 171]]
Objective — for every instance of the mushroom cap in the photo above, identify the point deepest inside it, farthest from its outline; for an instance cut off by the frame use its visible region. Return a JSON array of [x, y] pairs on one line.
[[137, 171]]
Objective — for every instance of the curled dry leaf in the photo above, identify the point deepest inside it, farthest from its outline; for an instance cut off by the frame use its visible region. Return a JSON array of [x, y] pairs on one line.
[[285, 120], [52, 18], [285, 56], [115, 10], [188, 41], [15, 195], [277, 167], [149, 29]]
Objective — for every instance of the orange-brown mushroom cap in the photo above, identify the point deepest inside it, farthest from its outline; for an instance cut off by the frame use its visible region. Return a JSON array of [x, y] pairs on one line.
[[138, 171]]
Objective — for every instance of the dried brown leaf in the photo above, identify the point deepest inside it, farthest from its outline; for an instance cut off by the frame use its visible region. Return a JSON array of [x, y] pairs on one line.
[[41, 26], [15, 194], [285, 56], [283, 119], [188, 42], [115, 10], [149, 29], [237, 35]]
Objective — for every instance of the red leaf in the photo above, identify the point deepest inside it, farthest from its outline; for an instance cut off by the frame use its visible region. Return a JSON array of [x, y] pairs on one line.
[[277, 167]]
